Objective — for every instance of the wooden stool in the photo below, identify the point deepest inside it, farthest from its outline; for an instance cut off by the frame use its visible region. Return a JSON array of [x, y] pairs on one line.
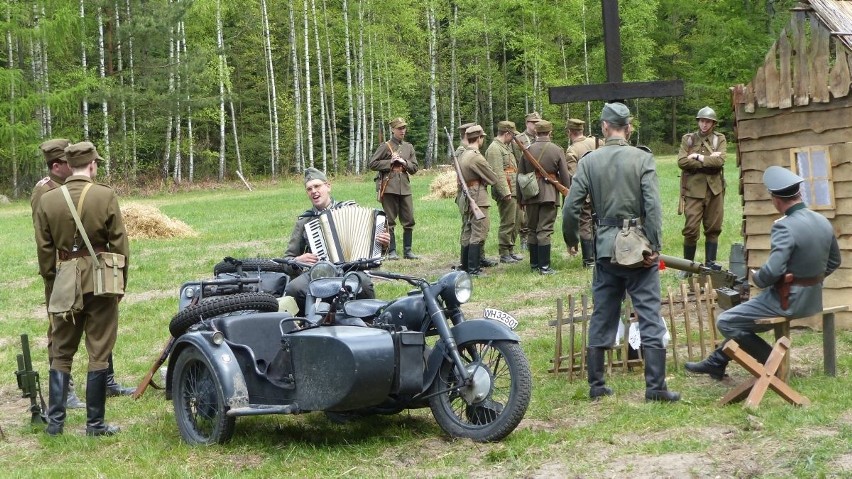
[[764, 376]]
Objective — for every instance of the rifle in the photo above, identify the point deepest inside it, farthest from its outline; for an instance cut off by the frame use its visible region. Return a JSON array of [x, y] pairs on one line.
[[149, 376], [28, 383], [538, 168], [477, 213]]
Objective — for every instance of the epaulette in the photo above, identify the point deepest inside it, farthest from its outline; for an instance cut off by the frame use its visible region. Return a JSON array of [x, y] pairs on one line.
[[645, 149], [779, 219], [43, 181]]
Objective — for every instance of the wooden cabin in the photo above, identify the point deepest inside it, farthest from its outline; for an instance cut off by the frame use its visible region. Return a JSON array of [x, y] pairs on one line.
[[797, 112]]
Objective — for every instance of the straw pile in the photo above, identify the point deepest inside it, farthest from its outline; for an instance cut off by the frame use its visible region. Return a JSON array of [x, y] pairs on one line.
[[143, 221], [443, 186]]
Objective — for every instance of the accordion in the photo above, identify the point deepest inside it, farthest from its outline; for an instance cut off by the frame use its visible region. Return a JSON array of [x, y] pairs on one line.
[[347, 233]]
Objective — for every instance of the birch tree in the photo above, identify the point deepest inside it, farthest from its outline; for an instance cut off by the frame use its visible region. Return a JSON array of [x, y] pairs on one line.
[[105, 100], [322, 97], [308, 107], [351, 161], [220, 44], [273, 93], [432, 144], [83, 64], [297, 93]]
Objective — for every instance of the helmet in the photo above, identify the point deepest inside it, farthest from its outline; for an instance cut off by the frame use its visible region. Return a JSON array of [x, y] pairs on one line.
[[706, 113]]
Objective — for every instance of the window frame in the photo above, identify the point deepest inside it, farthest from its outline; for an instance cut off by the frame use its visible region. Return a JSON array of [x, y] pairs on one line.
[[808, 190]]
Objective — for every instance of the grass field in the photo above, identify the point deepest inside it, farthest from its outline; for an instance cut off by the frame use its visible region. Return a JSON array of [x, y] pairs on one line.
[[563, 434]]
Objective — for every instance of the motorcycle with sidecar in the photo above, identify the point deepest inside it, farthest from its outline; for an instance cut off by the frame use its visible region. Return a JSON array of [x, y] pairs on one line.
[[236, 355]]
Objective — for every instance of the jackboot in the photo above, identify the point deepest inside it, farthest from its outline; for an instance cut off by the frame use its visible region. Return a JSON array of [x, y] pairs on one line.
[[463, 258], [56, 396], [392, 247], [588, 249], [754, 345], [710, 250], [473, 258], [655, 376], [406, 245], [533, 249], [73, 402], [544, 260], [113, 388], [96, 405], [595, 365], [483, 261], [689, 254], [714, 366]]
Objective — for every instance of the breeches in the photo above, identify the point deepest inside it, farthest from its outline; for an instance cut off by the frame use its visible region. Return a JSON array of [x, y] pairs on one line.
[[709, 212], [508, 225], [398, 206], [475, 231], [99, 320], [540, 219]]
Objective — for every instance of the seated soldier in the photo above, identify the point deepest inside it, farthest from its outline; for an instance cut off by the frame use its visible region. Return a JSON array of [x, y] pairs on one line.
[[318, 190]]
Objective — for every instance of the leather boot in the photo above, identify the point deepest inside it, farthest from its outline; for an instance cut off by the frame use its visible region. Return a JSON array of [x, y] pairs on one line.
[[96, 405], [688, 253], [588, 249], [72, 401], [595, 366], [392, 247], [754, 345], [463, 258], [544, 260], [406, 245], [710, 250], [714, 365], [473, 256], [113, 388], [483, 261], [655, 377], [533, 249], [56, 396]]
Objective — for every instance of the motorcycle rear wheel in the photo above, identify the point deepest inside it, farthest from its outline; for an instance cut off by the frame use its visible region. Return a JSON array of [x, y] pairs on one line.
[[509, 387], [199, 401]]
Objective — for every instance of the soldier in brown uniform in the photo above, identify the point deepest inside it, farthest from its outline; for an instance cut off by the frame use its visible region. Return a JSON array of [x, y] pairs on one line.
[[580, 145], [702, 185], [502, 161], [477, 175], [483, 260], [58, 240], [395, 161], [527, 138], [541, 209]]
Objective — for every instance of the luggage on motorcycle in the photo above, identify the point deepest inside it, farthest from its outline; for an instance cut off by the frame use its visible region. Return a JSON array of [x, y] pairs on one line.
[[218, 305]]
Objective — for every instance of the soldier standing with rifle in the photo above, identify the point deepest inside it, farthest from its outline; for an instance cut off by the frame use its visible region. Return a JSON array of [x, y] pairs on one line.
[[502, 161], [476, 175], [579, 147], [395, 161], [702, 185], [483, 260], [527, 137], [541, 209]]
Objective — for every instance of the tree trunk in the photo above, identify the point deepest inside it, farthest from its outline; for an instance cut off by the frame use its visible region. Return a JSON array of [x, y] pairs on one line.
[[190, 140], [322, 97], [12, 120], [120, 69], [275, 154], [362, 100], [134, 164], [83, 64], [297, 93], [177, 174], [104, 102], [167, 155], [351, 154], [432, 144], [308, 107], [333, 103], [220, 43]]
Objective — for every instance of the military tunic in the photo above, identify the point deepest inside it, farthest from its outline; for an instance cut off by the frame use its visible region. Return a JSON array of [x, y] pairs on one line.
[[43, 186], [502, 161], [702, 185], [478, 175], [541, 209], [617, 166], [523, 227], [573, 154], [396, 201], [57, 232]]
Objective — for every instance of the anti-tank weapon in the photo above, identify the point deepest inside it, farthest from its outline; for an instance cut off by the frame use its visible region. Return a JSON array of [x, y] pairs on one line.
[[730, 289], [28, 383]]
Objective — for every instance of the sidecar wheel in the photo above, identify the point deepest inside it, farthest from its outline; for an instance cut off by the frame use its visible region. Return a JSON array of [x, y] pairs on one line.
[[218, 305], [251, 265], [493, 406], [199, 401]]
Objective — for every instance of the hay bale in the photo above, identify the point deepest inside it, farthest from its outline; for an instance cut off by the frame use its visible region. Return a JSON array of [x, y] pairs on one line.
[[143, 221], [443, 186]]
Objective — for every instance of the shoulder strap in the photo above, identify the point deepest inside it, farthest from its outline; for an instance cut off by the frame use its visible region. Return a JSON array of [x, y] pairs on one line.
[[76, 214], [390, 147]]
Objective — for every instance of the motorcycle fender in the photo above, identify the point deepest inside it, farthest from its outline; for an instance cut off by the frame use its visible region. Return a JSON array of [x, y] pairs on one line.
[[464, 332], [224, 364]]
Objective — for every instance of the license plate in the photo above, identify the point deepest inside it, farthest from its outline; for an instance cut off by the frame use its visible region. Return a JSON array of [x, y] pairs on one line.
[[501, 317]]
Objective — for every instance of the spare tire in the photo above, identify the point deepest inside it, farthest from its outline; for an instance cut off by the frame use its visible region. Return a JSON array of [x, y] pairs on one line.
[[251, 265], [218, 305]]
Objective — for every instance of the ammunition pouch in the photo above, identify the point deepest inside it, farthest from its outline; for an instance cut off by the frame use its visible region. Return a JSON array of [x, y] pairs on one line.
[[109, 274]]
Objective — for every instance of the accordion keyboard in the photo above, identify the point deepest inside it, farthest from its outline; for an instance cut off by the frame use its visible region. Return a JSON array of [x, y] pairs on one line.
[[346, 233]]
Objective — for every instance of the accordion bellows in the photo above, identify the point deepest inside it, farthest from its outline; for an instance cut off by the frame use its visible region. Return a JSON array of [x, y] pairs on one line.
[[347, 233]]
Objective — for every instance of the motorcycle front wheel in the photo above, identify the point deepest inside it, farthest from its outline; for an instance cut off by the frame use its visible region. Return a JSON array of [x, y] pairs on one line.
[[493, 405], [199, 401]]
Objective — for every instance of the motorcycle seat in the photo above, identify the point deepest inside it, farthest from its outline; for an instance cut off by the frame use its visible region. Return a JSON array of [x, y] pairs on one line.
[[363, 308]]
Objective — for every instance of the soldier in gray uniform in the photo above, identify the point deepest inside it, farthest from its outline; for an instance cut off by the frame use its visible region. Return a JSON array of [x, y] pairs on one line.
[[618, 167], [802, 244]]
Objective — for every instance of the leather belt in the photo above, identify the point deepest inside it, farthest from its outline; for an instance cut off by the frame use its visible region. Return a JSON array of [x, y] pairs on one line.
[[618, 222], [510, 170], [472, 183], [549, 175], [808, 281], [66, 255]]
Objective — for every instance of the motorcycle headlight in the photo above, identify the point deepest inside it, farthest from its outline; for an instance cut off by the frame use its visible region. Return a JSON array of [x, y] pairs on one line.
[[463, 287], [323, 269]]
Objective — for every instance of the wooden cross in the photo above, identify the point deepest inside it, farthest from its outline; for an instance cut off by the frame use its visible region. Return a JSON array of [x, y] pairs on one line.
[[764, 376], [615, 88]]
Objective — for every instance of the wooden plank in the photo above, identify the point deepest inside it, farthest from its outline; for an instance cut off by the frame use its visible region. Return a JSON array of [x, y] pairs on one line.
[[687, 327], [760, 208], [749, 95], [760, 224], [792, 121], [802, 138], [819, 62], [841, 153], [839, 78], [615, 91], [839, 278], [760, 160], [770, 112], [757, 241], [800, 74], [755, 192], [843, 171], [759, 83], [843, 189], [672, 328], [696, 288], [785, 86], [773, 78]]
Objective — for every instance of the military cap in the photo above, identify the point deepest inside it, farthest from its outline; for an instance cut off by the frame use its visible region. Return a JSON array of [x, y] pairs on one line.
[[398, 122], [543, 126], [54, 150], [533, 117], [782, 182], [312, 174], [464, 126], [474, 132], [81, 154], [616, 114], [574, 124], [505, 126]]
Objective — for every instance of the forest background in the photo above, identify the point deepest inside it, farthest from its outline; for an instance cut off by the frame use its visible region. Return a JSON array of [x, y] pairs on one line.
[[176, 91]]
